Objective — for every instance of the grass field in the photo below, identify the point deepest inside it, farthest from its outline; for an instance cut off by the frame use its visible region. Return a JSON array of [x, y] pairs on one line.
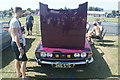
[[105, 63], [23, 20], [89, 19], [113, 20]]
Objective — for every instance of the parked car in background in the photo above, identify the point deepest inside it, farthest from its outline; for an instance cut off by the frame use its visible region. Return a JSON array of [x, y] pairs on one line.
[[110, 15], [4, 35]]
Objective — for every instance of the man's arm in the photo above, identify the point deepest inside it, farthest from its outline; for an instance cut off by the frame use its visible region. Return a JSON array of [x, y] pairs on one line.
[[26, 19], [9, 31], [15, 34], [32, 20]]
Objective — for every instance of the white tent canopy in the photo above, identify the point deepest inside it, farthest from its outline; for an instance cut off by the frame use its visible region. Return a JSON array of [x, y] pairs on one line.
[[95, 12]]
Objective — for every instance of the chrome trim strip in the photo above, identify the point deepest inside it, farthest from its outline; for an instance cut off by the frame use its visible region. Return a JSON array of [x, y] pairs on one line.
[[81, 62]]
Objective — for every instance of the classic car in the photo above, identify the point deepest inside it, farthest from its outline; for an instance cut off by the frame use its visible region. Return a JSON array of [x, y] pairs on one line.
[[4, 35], [63, 43]]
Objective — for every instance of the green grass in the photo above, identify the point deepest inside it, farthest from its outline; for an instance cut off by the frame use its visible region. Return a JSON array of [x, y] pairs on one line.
[[36, 27], [110, 50], [104, 65], [113, 20], [5, 19], [89, 19]]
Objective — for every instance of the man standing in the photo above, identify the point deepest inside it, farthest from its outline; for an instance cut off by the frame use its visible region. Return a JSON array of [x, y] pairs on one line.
[[15, 32], [29, 23]]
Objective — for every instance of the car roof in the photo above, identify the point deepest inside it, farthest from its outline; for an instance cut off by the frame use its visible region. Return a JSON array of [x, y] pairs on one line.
[[4, 22]]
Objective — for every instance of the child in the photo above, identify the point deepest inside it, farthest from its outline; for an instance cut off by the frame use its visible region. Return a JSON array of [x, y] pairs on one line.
[[22, 39]]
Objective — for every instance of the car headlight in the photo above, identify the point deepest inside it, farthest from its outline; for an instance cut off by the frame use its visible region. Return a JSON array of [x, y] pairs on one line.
[[83, 54], [76, 54], [49, 54], [43, 54]]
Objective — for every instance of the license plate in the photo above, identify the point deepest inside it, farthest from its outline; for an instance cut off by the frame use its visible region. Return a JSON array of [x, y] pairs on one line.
[[59, 65]]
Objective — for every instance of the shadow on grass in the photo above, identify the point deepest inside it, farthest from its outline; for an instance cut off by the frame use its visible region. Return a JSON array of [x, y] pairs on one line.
[[32, 60], [98, 69], [8, 56], [106, 45], [28, 43], [37, 35], [108, 41]]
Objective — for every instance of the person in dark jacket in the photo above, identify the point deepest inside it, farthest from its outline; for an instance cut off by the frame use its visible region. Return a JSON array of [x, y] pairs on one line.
[[29, 23]]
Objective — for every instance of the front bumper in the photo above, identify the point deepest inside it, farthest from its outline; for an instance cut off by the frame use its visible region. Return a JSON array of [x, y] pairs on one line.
[[75, 63]]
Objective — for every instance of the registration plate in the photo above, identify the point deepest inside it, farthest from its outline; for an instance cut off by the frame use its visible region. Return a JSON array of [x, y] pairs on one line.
[[59, 65]]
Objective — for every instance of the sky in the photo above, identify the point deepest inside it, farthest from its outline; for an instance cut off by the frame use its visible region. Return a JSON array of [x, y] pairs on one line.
[[57, 4]]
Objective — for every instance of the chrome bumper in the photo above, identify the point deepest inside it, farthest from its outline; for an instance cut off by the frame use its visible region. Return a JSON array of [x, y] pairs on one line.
[[75, 63]]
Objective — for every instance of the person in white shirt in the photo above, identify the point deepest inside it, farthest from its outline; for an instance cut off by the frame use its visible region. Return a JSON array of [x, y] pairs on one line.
[[15, 32]]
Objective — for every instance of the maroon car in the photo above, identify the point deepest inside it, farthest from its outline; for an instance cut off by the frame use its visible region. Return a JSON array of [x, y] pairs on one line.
[[63, 42]]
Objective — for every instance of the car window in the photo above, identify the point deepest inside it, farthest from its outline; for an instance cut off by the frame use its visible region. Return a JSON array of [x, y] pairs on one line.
[[5, 26]]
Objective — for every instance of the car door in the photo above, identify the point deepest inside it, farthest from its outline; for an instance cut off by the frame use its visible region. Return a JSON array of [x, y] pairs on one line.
[[6, 39], [0, 36]]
